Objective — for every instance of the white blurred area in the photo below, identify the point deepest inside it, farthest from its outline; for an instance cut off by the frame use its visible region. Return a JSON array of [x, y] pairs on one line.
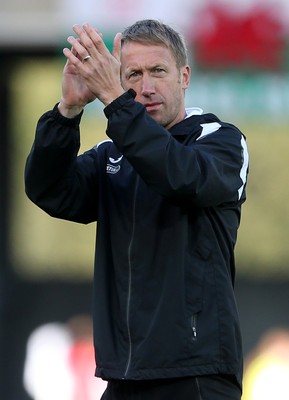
[[179, 13], [60, 364], [38, 22]]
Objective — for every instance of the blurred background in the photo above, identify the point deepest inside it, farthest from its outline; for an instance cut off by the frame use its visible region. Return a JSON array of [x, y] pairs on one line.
[[239, 53]]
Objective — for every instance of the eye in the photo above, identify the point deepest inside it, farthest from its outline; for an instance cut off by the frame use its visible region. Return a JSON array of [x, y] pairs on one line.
[[134, 74], [158, 71]]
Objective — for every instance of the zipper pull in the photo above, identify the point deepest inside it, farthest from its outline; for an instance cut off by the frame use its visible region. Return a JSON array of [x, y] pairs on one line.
[[194, 326]]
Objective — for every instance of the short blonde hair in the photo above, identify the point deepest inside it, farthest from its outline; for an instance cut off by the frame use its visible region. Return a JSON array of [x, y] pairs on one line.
[[154, 32]]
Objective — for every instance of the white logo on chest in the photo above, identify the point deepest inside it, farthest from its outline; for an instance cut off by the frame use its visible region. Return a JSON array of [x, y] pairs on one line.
[[115, 160], [112, 169]]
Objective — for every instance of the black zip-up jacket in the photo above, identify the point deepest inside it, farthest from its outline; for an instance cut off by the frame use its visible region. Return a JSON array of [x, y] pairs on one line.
[[167, 206]]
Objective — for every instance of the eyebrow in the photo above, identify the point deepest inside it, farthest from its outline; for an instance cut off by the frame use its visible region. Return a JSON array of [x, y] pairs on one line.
[[153, 66]]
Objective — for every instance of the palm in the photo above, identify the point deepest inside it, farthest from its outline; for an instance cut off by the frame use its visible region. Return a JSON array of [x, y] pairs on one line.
[[74, 88]]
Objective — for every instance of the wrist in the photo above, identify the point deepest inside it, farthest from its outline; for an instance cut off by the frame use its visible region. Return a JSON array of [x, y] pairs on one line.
[[69, 111], [107, 99]]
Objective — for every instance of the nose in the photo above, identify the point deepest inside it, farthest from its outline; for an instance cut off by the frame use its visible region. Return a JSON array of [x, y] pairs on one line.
[[147, 86]]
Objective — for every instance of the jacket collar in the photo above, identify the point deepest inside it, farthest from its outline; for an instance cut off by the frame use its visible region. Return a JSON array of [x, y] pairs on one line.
[[191, 124], [193, 111]]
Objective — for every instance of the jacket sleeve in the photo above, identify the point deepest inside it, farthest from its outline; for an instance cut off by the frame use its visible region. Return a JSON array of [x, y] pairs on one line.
[[207, 172], [59, 182]]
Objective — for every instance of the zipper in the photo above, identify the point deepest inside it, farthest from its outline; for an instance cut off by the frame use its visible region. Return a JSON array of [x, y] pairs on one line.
[[129, 280], [198, 388], [194, 326]]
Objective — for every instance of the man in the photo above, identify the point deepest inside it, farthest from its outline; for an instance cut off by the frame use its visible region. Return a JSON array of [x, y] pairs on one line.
[[166, 191]]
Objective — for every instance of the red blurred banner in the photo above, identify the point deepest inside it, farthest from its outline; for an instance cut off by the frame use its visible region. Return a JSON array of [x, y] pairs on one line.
[[223, 39]]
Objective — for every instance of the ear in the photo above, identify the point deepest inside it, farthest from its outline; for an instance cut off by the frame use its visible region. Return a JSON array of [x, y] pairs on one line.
[[185, 76]]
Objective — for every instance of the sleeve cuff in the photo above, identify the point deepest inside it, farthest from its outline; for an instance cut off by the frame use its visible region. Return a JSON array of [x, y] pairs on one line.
[[64, 120]]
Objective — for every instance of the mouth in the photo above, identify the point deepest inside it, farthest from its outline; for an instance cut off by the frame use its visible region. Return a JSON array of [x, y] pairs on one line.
[[152, 106]]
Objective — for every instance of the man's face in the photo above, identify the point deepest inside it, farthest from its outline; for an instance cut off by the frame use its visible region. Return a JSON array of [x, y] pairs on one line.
[[160, 86]]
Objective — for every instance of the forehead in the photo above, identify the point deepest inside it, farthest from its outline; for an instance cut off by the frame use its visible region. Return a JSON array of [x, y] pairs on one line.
[[140, 54]]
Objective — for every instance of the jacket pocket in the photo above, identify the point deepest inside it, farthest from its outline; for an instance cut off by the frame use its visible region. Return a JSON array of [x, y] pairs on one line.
[[198, 265]]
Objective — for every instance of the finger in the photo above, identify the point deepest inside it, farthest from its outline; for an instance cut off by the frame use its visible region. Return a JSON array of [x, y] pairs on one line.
[[88, 27], [96, 38], [73, 50], [117, 46], [76, 44], [69, 54], [73, 57], [77, 48], [85, 46]]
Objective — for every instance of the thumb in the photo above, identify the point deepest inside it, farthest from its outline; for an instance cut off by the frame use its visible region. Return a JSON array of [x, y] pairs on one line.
[[117, 46]]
